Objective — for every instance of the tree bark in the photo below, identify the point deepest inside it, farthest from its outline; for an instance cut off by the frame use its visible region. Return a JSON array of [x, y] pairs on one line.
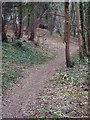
[[79, 30], [14, 22], [0, 19], [88, 32], [88, 35], [20, 21], [28, 21], [32, 23], [4, 37], [23, 21], [16, 28], [82, 26], [66, 35]]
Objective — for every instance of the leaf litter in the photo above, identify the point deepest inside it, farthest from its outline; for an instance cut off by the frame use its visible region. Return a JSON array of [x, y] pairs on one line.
[[66, 94]]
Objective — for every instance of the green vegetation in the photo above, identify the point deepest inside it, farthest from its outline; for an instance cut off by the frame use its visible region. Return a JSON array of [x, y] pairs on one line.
[[38, 33], [75, 57], [10, 34], [16, 57], [77, 73], [70, 92], [63, 91]]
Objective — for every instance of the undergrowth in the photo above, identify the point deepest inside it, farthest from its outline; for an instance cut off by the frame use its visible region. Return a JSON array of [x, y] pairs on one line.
[[67, 93], [15, 58]]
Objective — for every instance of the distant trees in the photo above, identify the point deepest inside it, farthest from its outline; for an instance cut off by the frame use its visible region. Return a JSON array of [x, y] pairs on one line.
[[73, 24], [27, 17], [53, 18], [38, 13], [80, 29]]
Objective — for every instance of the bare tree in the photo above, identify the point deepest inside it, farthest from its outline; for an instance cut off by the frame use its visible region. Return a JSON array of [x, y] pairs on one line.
[[4, 37], [66, 35], [0, 17], [20, 21], [82, 26], [53, 21], [32, 23], [79, 30]]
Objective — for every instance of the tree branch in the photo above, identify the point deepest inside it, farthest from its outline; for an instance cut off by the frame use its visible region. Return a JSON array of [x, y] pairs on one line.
[[43, 13]]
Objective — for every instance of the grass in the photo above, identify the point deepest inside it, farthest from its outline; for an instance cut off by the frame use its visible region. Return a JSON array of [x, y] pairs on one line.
[[16, 58], [22, 56]]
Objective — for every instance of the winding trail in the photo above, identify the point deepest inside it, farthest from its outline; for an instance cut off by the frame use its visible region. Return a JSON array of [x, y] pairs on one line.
[[24, 94]]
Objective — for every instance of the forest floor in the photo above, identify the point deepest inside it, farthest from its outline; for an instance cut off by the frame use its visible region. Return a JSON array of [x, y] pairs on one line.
[[24, 99]]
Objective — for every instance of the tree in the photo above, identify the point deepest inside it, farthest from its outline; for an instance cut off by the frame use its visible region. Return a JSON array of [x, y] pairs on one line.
[[32, 35], [28, 20], [15, 22], [87, 15], [53, 21], [73, 24], [34, 19], [82, 26], [4, 37], [20, 21], [8, 18], [66, 34], [87, 12], [79, 31], [0, 17]]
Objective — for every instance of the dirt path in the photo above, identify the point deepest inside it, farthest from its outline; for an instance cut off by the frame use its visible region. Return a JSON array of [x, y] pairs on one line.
[[24, 94]]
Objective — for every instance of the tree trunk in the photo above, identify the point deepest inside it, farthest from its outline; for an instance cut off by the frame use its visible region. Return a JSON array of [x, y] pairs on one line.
[[4, 37], [72, 17], [66, 35], [79, 30], [75, 27], [74, 24], [28, 21], [20, 21], [16, 28], [88, 33], [50, 26], [14, 22], [53, 22], [82, 26], [32, 23], [23, 21], [0, 19]]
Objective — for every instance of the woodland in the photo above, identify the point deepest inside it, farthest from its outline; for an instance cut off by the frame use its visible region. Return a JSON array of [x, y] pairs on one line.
[[45, 59]]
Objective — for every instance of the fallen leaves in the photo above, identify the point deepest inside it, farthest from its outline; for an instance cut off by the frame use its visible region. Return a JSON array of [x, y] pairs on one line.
[[67, 95]]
